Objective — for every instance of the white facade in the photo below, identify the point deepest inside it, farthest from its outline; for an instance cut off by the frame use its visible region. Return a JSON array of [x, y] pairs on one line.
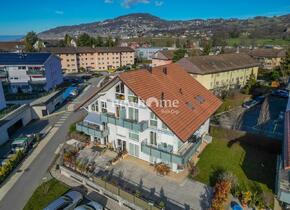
[[2, 98], [32, 77], [154, 134]]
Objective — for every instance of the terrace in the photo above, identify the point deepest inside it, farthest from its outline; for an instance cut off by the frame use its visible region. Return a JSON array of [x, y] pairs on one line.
[[126, 175]]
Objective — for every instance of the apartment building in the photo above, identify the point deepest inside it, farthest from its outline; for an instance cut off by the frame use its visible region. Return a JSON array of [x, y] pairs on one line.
[[162, 57], [2, 97], [157, 115], [28, 72], [269, 58], [74, 59], [226, 71]]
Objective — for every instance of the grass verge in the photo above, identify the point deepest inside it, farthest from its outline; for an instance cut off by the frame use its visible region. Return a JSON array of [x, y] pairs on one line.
[[45, 193]]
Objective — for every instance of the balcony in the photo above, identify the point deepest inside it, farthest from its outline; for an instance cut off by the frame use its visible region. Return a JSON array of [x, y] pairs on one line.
[[180, 158], [36, 72], [91, 130], [126, 123]]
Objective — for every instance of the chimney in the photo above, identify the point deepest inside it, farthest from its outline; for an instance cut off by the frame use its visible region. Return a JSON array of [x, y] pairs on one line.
[[162, 99], [238, 49], [165, 70], [149, 68]]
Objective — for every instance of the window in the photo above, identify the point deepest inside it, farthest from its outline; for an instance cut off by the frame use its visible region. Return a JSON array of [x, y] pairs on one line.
[[153, 120], [132, 97], [134, 135], [120, 91], [104, 107], [95, 107], [120, 112], [164, 126], [153, 140], [133, 114]]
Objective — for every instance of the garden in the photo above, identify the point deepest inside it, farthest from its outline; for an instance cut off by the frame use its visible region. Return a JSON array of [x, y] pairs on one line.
[[247, 171], [46, 193]]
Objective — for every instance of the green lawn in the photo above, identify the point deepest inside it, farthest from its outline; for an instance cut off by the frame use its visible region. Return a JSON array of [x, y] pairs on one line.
[[259, 42], [45, 193], [252, 166]]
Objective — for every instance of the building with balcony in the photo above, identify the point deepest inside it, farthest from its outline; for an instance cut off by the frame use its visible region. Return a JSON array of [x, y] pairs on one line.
[[219, 72], [157, 115], [269, 58], [2, 98], [28, 72], [75, 59]]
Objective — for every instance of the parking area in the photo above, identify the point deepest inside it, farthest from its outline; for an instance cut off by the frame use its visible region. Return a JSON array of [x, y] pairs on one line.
[[266, 118]]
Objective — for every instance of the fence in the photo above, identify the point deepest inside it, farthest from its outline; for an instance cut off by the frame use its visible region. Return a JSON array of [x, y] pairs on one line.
[[111, 191]]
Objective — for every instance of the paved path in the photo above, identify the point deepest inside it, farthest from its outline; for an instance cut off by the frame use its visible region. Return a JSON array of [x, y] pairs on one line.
[[20, 186]]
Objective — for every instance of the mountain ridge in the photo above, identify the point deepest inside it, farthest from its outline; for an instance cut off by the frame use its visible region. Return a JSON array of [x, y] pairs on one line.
[[146, 24]]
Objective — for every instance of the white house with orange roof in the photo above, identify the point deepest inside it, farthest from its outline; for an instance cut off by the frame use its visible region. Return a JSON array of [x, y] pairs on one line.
[[157, 115]]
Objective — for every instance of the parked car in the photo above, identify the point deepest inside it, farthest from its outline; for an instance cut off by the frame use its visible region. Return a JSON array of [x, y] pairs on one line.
[[22, 143], [260, 99], [66, 202], [250, 104], [280, 93], [90, 206]]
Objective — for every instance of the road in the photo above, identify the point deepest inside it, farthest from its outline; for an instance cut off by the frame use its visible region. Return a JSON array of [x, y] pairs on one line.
[[32, 176]]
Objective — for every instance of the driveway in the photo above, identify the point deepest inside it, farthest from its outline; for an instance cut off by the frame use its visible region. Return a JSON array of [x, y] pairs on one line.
[[261, 119], [181, 192]]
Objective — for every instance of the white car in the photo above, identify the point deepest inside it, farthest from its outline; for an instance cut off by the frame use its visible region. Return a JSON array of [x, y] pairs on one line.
[[66, 202], [90, 206]]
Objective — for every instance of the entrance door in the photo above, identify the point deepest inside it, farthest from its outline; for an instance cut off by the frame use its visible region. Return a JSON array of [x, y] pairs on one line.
[[134, 150], [121, 145]]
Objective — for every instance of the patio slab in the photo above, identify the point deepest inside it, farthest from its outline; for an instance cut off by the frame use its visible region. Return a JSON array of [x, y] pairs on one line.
[[175, 187]]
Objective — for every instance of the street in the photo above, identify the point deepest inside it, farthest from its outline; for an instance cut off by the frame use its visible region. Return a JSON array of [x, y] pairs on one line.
[[31, 177]]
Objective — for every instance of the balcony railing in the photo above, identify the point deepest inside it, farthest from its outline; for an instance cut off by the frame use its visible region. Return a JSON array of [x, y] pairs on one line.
[[91, 130], [35, 72], [126, 123], [180, 159]]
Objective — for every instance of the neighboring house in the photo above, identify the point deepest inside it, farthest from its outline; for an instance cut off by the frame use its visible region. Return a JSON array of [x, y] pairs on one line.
[[16, 46], [147, 53], [225, 71], [2, 98], [157, 115], [74, 59], [283, 169], [29, 72], [162, 57], [269, 58]]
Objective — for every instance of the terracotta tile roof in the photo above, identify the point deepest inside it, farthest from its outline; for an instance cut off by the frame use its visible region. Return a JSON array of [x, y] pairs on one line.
[[196, 103], [286, 144], [74, 50], [164, 55], [268, 53], [217, 63]]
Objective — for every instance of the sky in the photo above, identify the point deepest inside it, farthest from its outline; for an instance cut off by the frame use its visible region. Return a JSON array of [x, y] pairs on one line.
[[21, 16]]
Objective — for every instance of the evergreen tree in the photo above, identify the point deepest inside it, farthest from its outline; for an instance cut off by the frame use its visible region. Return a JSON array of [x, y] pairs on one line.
[[84, 40], [67, 40], [29, 40], [178, 54]]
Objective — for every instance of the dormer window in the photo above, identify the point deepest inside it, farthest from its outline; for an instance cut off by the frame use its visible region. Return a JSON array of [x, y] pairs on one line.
[[120, 92]]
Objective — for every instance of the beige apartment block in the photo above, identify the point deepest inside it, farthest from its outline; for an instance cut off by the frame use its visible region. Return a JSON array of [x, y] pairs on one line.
[[74, 60], [226, 71], [269, 58]]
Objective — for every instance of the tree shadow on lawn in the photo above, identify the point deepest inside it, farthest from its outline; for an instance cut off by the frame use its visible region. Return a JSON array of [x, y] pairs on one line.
[[260, 157]]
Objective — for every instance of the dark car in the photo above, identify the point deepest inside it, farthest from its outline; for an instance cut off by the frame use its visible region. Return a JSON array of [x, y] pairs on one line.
[[281, 93], [250, 104]]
